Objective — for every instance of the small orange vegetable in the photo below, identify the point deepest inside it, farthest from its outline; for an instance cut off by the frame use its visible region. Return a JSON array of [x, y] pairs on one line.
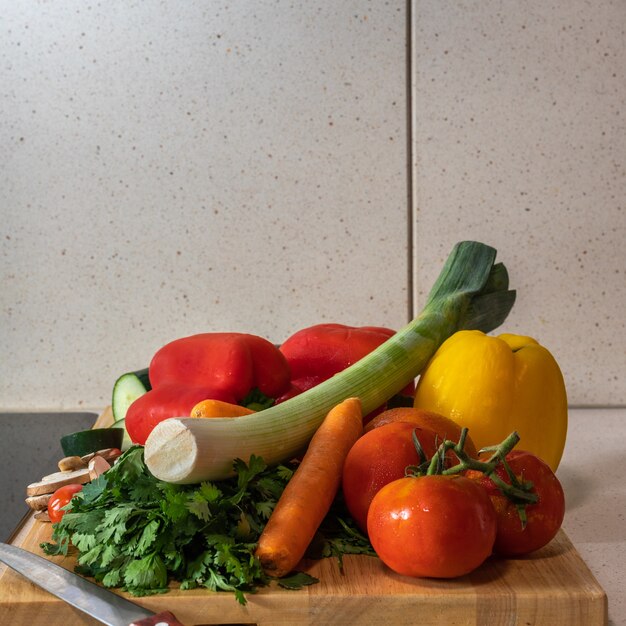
[[218, 408], [309, 494]]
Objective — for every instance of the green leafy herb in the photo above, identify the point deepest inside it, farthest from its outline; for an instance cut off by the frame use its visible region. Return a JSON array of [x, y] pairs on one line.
[[138, 533], [257, 400], [338, 535]]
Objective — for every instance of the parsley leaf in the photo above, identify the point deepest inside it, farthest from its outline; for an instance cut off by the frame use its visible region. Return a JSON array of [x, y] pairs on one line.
[[138, 533]]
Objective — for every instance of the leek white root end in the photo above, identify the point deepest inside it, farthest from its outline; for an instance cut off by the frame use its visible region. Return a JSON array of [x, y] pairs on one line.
[[172, 453]]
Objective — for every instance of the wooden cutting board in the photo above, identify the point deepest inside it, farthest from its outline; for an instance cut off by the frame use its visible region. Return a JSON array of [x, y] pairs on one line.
[[552, 587]]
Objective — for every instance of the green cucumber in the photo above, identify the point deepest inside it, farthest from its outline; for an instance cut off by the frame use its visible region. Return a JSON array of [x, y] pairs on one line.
[[87, 441], [126, 441], [127, 388]]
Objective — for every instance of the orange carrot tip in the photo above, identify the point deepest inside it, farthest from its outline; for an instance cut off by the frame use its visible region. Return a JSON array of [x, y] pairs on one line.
[[218, 408]]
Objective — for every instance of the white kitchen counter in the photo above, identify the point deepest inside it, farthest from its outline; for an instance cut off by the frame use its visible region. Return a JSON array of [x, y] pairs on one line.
[[595, 492]]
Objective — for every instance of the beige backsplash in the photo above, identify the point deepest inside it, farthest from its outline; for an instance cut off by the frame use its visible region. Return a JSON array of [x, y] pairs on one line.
[[170, 168]]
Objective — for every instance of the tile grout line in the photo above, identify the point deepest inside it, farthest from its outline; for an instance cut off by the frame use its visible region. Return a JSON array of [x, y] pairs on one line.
[[411, 274]]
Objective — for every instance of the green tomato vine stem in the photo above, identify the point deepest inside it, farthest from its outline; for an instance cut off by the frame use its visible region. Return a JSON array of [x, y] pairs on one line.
[[519, 492]]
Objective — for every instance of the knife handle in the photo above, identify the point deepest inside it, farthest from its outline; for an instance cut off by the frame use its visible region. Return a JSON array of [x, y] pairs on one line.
[[160, 619]]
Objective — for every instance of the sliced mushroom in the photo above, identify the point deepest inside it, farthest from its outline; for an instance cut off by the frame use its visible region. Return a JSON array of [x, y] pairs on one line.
[[97, 467], [71, 463], [38, 503], [50, 483]]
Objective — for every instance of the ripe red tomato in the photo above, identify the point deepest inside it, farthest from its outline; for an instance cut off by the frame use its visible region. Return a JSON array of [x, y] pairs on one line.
[[543, 518], [59, 499], [377, 458], [432, 526]]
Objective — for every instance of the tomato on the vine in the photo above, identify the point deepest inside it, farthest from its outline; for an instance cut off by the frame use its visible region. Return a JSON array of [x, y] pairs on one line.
[[379, 457], [59, 499], [543, 519], [432, 526]]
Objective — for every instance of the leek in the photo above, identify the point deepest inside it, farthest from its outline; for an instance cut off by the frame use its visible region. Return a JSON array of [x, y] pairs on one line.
[[470, 293]]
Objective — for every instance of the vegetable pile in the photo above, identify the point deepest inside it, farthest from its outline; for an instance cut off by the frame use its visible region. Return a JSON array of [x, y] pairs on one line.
[[246, 457]]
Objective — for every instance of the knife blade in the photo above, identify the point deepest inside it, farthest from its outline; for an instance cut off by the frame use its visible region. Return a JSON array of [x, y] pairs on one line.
[[98, 602]]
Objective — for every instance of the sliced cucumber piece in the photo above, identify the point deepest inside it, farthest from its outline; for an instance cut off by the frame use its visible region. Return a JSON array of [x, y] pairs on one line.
[[86, 441], [126, 441], [127, 388]]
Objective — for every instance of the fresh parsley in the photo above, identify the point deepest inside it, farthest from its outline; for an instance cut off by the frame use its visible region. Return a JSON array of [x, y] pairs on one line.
[[138, 533]]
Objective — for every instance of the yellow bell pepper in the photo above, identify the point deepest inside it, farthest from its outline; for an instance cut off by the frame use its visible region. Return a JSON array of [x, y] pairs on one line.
[[495, 385]]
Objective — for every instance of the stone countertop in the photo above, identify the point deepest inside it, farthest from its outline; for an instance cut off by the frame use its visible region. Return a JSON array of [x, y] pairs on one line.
[[595, 492]]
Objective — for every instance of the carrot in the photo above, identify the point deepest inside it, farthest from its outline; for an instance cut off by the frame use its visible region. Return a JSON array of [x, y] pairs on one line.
[[218, 408], [309, 494]]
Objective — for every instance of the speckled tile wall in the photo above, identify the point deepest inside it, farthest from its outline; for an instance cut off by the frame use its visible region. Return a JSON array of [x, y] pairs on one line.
[[520, 141], [169, 168]]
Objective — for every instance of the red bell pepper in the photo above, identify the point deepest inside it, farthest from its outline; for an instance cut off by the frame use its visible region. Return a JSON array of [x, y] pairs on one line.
[[218, 366], [318, 352], [232, 362]]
